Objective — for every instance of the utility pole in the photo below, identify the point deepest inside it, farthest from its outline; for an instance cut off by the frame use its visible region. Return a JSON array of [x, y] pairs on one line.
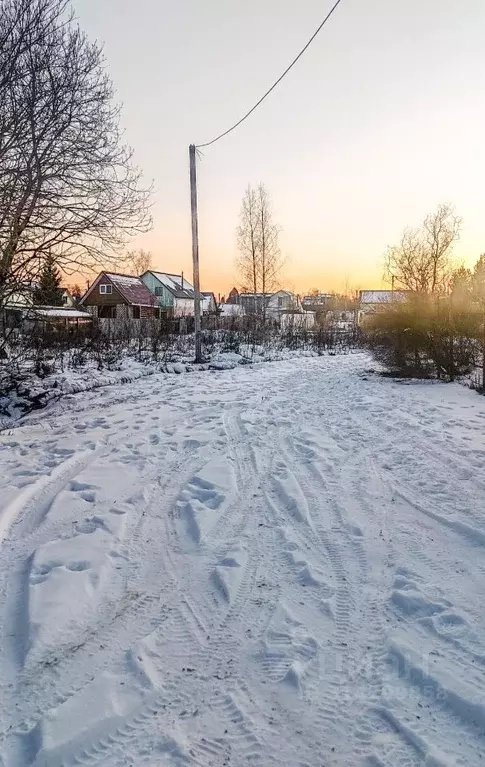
[[195, 251]]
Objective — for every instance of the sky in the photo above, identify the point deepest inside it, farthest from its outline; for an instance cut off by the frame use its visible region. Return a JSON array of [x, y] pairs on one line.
[[380, 121]]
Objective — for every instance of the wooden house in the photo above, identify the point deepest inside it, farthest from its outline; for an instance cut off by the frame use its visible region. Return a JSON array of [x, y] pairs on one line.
[[119, 296], [208, 303]]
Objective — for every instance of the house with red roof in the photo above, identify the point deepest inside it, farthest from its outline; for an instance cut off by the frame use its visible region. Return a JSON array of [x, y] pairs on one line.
[[119, 296]]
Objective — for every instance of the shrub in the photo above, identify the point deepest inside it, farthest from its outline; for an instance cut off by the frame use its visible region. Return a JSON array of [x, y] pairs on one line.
[[425, 336]]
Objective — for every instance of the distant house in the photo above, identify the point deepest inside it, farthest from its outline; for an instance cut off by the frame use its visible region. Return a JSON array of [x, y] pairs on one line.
[[208, 303], [283, 307], [286, 309], [272, 304], [373, 301], [174, 295], [252, 303], [67, 299], [316, 303], [119, 296], [283, 301], [233, 297], [296, 320], [230, 310], [340, 319], [17, 301], [22, 295]]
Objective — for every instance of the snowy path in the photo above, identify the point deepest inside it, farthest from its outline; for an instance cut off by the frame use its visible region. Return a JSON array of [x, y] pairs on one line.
[[280, 565]]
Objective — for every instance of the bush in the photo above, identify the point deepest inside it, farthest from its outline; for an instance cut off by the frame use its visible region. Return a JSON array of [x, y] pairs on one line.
[[426, 337]]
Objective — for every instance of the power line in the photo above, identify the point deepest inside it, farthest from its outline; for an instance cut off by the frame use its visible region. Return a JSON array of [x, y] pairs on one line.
[[229, 130]]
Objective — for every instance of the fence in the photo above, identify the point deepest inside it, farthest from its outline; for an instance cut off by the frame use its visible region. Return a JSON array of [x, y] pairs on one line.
[[43, 349]]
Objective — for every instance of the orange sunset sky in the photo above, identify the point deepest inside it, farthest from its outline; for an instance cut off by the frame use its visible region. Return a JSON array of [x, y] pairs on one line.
[[380, 121]]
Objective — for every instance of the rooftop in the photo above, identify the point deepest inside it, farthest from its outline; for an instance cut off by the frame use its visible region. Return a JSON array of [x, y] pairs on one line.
[[382, 296], [132, 289], [176, 283], [58, 311]]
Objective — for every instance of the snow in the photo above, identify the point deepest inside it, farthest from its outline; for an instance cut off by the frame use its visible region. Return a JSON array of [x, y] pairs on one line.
[[226, 361], [231, 310], [174, 282], [167, 281], [273, 565], [382, 296], [54, 312], [123, 279], [125, 368]]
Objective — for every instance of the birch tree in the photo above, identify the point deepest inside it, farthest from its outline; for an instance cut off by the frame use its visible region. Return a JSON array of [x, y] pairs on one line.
[[247, 261], [259, 259]]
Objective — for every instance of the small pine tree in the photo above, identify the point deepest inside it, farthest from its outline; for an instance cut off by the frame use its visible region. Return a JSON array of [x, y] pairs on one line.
[[49, 292]]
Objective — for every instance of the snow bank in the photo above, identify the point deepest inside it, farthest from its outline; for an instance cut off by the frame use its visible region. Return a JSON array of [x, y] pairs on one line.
[[226, 361], [32, 393]]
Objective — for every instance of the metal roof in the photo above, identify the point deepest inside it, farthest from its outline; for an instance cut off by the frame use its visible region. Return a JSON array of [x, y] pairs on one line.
[[175, 283], [133, 290]]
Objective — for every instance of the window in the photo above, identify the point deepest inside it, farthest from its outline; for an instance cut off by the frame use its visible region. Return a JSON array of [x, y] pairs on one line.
[[105, 289], [136, 312], [159, 291], [280, 302], [106, 312]]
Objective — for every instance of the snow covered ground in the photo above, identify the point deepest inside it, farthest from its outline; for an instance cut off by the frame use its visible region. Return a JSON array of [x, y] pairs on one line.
[[273, 565]]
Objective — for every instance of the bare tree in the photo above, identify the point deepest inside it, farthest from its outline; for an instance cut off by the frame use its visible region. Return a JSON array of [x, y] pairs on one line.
[[269, 251], [422, 260], [259, 261], [247, 262], [407, 265], [76, 293], [68, 185], [441, 231], [139, 261]]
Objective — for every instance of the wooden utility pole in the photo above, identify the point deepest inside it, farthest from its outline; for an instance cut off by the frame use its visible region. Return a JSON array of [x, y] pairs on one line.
[[195, 251]]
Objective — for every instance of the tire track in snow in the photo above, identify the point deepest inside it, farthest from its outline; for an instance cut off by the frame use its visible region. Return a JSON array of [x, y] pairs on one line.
[[212, 655], [133, 615], [225, 638], [363, 653], [213, 547], [357, 610], [441, 482], [371, 657], [325, 691], [388, 732], [28, 510]]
